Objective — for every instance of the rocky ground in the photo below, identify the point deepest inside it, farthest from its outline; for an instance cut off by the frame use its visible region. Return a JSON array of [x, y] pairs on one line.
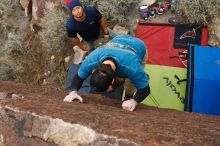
[[26, 118]]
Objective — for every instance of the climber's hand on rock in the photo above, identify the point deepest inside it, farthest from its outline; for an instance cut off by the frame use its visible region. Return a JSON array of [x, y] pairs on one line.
[[73, 96], [129, 104]]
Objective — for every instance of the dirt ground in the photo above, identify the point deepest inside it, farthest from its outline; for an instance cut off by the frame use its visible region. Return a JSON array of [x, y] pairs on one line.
[[145, 126]]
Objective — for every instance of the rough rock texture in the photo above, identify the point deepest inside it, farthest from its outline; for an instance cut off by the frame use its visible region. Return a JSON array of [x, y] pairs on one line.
[[42, 118]]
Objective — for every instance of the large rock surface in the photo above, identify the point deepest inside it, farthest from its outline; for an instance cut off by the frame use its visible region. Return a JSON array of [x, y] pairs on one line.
[[41, 117]]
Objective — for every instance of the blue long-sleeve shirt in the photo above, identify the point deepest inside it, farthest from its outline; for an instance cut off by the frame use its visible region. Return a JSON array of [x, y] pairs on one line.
[[128, 59]]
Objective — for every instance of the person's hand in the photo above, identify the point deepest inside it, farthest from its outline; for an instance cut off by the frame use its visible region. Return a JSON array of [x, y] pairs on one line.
[[106, 37], [73, 96], [129, 104]]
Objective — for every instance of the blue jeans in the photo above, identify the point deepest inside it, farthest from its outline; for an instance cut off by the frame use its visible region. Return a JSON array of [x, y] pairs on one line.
[[86, 88]]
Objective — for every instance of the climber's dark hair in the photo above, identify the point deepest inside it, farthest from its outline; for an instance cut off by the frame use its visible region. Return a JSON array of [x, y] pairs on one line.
[[102, 77]]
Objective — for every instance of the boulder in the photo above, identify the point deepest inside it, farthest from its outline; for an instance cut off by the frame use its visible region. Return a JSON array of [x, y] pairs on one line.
[[42, 118]]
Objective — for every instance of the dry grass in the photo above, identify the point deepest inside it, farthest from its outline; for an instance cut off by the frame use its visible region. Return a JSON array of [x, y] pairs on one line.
[[197, 11], [33, 61], [53, 33], [7, 40], [6, 6], [116, 11], [23, 56]]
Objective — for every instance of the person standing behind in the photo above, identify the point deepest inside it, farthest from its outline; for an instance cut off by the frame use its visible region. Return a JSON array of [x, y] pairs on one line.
[[87, 22]]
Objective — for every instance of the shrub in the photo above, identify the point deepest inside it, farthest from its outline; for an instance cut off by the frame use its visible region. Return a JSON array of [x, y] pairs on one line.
[[7, 5], [53, 33], [115, 11], [197, 11]]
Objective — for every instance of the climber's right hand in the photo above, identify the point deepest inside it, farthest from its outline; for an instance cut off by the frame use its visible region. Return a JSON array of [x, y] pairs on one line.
[[73, 95]]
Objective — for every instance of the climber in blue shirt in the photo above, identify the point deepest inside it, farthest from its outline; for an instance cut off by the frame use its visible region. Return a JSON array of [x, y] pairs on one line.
[[122, 57], [87, 22]]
